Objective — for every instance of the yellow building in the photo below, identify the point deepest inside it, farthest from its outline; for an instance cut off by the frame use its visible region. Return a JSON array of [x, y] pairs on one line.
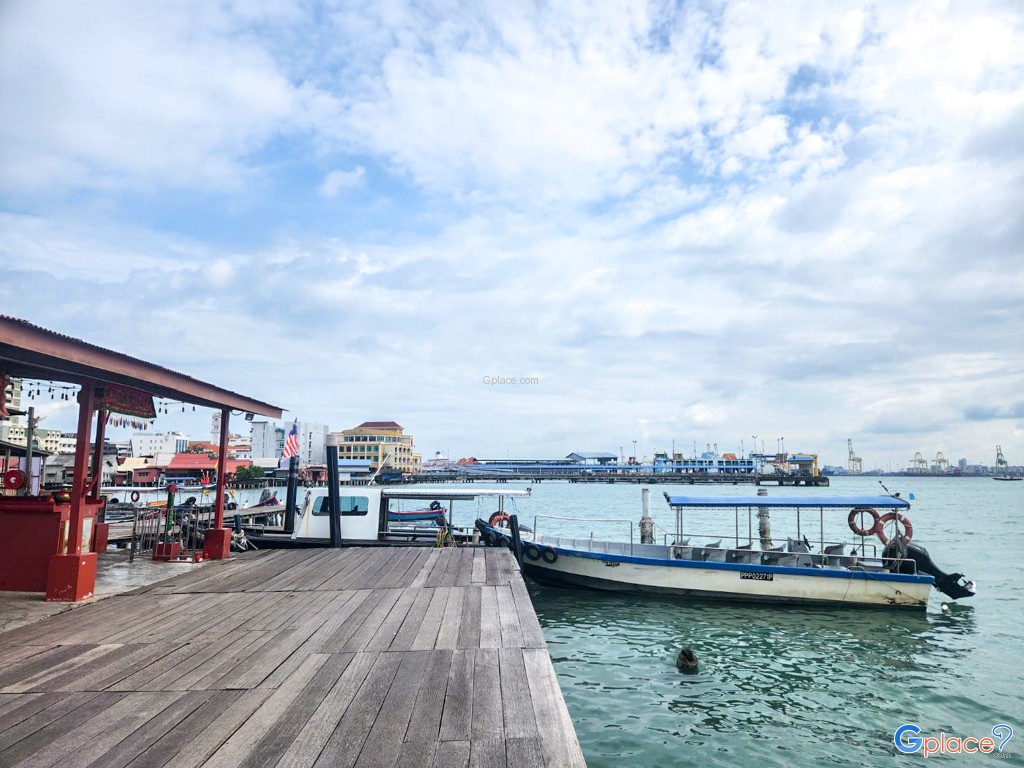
[[382, 443]]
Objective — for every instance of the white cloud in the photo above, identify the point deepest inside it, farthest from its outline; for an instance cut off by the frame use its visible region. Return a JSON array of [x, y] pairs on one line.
[[695, 224], [116, 94], [337, 181]]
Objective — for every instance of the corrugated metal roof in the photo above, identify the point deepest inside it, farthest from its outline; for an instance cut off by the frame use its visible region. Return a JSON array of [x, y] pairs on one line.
[[56, 336]]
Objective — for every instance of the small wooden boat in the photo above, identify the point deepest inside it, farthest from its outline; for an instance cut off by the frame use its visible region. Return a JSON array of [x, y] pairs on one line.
[[732, 563]]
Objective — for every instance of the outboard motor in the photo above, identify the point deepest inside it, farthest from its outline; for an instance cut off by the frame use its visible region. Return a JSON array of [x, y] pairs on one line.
[[955, 585]]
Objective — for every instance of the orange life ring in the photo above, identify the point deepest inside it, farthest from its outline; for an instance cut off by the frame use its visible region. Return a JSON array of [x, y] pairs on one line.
[[498, 520], [14, 479], [852, 520], [135, 496], [888, 517]]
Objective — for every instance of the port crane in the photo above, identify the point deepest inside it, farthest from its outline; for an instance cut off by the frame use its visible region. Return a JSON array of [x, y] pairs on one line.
[[1000, 459], [941, 462], [918, 463], [854, 464]]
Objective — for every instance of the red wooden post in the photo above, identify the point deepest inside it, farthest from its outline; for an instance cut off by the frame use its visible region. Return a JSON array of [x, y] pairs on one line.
[[72, 577], [86, 401], [217, 544]]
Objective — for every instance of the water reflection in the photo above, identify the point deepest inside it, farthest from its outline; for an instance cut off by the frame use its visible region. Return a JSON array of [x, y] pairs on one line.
[[766, 673]]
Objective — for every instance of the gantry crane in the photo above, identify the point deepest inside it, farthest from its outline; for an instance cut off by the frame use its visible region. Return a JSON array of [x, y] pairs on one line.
[[1000, 459], [918, 463], [854, 465], [941, 462]]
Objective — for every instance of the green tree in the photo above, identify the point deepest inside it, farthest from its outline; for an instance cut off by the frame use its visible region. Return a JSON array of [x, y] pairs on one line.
[[251, 472]]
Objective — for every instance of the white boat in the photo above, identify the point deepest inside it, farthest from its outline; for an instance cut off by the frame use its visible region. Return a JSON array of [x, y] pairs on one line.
[[744, 563], [374, 514]]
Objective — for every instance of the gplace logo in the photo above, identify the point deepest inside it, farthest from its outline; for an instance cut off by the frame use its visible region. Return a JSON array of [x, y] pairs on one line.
[[908, 741]]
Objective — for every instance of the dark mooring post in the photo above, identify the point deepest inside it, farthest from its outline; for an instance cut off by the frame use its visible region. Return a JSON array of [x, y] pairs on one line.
[[333, 492], [293, 492], [517, 542]]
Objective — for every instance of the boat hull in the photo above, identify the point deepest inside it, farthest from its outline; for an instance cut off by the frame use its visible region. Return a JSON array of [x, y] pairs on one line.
[[727, 581]]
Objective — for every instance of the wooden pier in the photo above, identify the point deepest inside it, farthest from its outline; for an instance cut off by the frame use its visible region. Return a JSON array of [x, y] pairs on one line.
[[379, 656]]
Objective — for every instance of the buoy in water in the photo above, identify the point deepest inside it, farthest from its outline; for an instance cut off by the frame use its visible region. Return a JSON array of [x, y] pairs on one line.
[[686, 661]]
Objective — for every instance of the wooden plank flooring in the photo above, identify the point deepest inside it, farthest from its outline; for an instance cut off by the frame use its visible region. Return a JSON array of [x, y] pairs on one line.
[[359, 658]]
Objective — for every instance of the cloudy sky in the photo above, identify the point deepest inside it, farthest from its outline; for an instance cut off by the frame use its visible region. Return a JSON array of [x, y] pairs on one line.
[[688, 221]]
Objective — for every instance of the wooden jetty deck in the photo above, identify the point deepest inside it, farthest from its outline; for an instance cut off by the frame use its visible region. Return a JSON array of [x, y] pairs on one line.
[[349, 657]]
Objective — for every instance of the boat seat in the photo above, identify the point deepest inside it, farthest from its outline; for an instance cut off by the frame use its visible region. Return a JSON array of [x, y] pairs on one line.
[[771, 556], [834, 555], [679, 552], [701, 553], [742, 554], [797, 546], [716, 555]]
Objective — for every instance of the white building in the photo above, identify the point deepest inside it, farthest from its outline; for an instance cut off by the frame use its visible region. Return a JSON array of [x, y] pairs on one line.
[[312, 443], [13, 398], [267, 440], [42, 439], [147, 444]]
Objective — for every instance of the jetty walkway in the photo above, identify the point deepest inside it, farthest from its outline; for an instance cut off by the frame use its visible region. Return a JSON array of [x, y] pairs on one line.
[[379, 656]]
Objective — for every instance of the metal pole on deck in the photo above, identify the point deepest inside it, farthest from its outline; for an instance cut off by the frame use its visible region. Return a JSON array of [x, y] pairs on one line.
[[293, 491], [333, 492], [646, 523], [30, 434]]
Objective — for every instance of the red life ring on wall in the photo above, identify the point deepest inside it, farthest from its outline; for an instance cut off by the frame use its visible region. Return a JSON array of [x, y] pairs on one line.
[[14, 479], [860, 511], [888, 517], [135, 496], [498, 520]]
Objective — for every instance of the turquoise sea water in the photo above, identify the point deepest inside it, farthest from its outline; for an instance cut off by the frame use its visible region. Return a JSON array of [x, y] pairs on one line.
[[793, 686]]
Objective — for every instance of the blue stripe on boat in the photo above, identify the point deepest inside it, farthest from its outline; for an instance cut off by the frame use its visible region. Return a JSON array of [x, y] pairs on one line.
[[747, 567]]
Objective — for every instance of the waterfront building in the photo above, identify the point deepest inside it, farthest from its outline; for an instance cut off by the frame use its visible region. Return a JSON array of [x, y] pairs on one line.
[[383, 443], [47, 440], [592, 457], [12, 400], [147, 444], [266, 440], [312, 442], [67, 443]]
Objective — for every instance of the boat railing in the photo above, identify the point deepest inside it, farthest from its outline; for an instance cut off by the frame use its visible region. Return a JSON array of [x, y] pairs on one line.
[[857, 555], [626, 520], [669, 538]]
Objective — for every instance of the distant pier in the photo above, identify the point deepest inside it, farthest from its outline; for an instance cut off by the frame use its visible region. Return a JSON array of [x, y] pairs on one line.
[[640, 478]]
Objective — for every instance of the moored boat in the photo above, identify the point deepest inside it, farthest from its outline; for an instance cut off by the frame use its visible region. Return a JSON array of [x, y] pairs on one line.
[[373, 514], [882, 567]]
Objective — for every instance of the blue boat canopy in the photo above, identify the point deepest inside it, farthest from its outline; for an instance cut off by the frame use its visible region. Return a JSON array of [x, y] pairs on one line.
[[802, 502]]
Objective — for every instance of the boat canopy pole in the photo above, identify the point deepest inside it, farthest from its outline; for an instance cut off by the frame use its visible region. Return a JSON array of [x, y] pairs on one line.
[[333, 491]]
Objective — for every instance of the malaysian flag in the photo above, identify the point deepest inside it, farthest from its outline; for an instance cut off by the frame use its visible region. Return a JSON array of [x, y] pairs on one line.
[[291, 443]]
